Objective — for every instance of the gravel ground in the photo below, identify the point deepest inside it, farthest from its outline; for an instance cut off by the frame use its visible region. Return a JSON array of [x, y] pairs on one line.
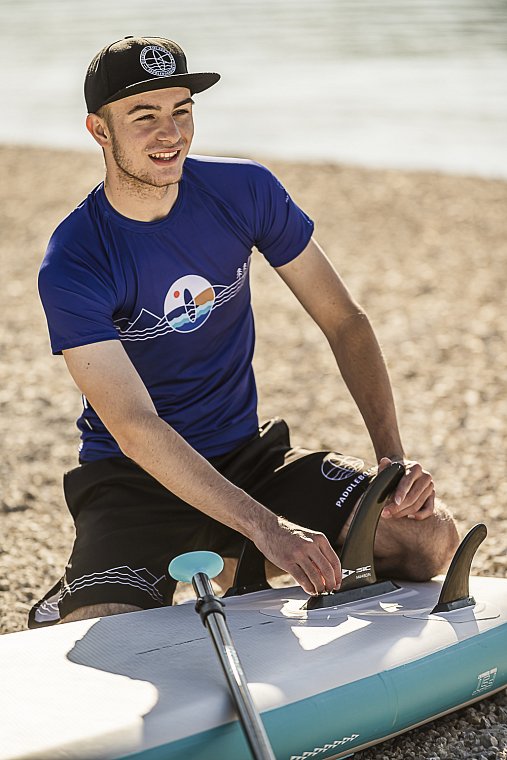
[[424, 253]]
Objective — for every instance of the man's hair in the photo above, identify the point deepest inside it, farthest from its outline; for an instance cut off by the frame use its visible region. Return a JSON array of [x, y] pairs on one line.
[[105, 113]]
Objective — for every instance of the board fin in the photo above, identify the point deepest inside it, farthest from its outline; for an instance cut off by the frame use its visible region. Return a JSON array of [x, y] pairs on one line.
[[250, 572], [359, 580], [455, 592]]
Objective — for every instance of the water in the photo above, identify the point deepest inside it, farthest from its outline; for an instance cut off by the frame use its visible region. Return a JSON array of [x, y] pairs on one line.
[[400, 83]]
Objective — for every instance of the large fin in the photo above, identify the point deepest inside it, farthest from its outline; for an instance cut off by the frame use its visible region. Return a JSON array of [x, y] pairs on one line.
[[359, 580]]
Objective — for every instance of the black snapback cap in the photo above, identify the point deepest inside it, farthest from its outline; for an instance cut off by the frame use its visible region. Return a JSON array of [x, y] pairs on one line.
[[139, 64]]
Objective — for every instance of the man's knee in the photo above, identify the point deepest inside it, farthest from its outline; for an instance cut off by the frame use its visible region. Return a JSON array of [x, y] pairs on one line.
[[447, 535], [417, 550], [98, 610], [435, 545]]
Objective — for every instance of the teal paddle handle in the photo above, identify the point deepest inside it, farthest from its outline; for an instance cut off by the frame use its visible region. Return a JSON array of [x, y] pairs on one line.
[[185, 566]]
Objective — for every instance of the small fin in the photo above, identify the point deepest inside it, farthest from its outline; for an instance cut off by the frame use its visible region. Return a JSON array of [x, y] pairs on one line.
[[455, 593]]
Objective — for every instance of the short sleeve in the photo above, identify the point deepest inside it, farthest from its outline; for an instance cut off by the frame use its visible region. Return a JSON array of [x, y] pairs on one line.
[[282, 229], [77, 296]]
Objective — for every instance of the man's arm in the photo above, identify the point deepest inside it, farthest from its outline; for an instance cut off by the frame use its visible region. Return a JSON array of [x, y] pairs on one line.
[[108, 379], [318, 287]]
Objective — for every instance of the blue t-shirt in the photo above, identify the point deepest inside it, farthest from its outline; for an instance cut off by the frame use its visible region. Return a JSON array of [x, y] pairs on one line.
[[176, 293]]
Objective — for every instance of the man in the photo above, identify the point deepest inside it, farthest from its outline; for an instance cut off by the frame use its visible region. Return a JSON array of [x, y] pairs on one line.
[[145, 288]]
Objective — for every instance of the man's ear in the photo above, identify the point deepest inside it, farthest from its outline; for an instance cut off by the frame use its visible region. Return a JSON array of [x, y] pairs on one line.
[[98, 129]]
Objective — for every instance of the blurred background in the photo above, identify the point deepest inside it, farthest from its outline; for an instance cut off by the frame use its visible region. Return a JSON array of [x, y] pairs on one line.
[[393, 83]]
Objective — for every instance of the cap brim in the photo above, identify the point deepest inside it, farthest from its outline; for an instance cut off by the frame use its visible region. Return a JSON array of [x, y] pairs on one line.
[[194, 82]]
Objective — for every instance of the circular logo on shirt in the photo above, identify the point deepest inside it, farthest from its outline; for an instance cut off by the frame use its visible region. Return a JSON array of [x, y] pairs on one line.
[[188, 303], [158, 61], [336, 467]]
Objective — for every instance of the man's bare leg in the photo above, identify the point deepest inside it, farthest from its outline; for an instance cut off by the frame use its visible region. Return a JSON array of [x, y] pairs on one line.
[[98, 610], [416, 549]]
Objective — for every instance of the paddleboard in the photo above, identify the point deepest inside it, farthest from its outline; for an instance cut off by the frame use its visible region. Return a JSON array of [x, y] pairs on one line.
[[327, 682], [330, 675]]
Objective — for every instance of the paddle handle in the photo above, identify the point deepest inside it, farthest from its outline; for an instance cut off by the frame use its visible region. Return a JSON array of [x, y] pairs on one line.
[[250, 720]]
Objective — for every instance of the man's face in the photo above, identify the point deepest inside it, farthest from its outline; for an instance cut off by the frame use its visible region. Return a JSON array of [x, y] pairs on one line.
[[150, 136]]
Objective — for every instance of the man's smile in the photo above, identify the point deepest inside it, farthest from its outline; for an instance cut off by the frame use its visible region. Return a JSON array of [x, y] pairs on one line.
[[164, 157]]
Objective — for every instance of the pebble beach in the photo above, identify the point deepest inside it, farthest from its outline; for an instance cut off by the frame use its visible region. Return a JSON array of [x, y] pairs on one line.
[[426, 256]]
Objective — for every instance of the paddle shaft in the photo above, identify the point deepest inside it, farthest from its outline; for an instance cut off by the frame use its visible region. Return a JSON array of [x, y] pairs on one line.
[[236, 680]]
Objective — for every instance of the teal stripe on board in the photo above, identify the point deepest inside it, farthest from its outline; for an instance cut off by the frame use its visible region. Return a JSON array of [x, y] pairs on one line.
[[364, 711]]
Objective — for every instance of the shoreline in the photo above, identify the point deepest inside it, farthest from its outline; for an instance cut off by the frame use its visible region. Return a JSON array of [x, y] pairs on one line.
[[271, 159]]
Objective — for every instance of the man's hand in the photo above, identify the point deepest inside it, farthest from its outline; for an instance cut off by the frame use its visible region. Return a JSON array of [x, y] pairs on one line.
[[306, 554], [415, 495]]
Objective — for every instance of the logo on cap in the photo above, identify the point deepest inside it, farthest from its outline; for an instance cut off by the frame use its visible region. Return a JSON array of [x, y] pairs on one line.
[[158, 61]]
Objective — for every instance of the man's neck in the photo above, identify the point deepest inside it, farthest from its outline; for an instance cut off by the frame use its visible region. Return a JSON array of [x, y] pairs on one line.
[[139, 201]]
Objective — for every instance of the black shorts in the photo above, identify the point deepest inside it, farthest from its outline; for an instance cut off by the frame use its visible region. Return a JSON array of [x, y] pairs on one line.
[[129, 527]]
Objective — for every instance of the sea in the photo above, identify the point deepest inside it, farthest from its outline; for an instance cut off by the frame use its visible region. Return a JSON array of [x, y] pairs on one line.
[[417, 84]]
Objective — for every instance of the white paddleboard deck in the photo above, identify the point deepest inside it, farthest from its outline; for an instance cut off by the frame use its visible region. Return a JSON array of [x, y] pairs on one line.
[[327, 682]]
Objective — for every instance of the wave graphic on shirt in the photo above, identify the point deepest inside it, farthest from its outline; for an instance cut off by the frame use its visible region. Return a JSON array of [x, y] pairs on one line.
[[187, 305]]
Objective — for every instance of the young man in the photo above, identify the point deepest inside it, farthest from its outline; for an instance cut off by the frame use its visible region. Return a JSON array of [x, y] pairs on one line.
[[145, 288]]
